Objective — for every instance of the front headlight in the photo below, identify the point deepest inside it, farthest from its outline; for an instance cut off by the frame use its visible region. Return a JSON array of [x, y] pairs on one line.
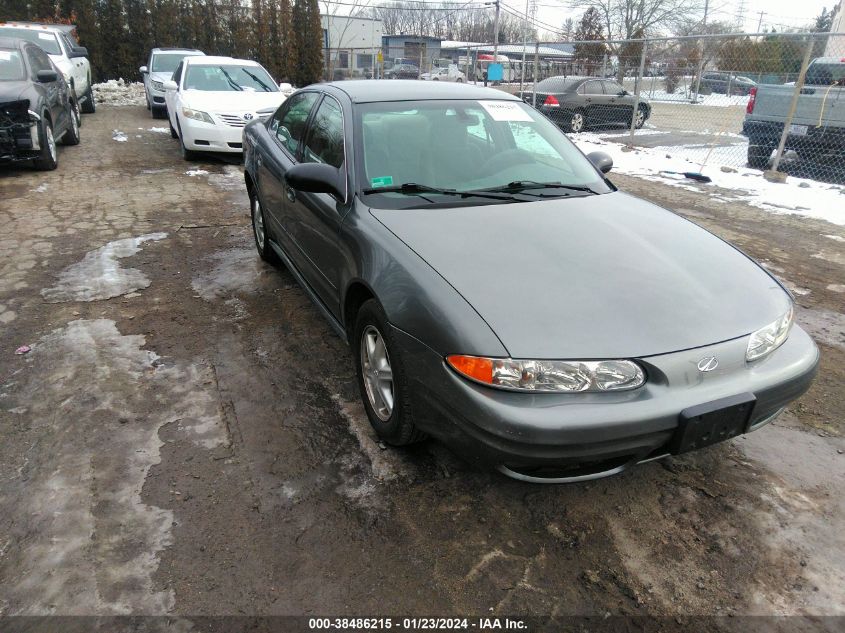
[[767, 339], [157, 85], [554, 376], [197, 115]]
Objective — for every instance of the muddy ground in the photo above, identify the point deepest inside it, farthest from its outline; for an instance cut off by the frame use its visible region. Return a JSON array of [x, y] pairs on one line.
[[185, 436]]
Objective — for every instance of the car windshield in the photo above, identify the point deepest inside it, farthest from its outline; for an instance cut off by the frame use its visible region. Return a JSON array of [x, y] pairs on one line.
[[166, 62], [822, 74], [466, 145], [229, 78], [44, 39], [11, 65]]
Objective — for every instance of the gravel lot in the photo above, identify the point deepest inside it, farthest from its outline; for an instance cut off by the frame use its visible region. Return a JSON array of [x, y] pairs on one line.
[[185, 437]]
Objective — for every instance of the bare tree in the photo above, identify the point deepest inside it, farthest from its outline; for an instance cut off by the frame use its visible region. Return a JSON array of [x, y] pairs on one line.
[[622, 19]]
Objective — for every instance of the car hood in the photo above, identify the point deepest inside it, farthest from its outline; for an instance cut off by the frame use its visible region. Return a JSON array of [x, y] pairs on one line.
[[605, 276], [232, 101], [13, 90], [161, 77]]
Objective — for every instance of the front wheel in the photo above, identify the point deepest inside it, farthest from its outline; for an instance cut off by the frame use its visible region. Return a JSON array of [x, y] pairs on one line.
[[49, 157], [186, 153], [759, 155], [381, 377]]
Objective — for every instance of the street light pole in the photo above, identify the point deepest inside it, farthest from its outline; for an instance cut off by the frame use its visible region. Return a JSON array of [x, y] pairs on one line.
[[496, 34]]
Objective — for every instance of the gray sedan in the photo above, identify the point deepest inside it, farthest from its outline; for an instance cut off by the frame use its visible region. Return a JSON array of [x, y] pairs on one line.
[[498, 292]]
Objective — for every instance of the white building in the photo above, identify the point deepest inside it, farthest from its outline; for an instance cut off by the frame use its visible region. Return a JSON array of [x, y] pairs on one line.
[[350, 44]]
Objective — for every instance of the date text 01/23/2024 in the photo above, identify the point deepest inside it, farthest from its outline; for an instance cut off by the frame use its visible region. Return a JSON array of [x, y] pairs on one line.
[[353, 625]]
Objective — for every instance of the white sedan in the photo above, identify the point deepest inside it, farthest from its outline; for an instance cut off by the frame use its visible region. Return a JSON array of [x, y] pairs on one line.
[[444, 74], [211, 99]]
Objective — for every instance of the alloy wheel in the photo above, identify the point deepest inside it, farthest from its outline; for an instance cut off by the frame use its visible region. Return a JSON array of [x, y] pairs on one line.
[[377, 372], [51, 142], [640, 118], [577, 123]]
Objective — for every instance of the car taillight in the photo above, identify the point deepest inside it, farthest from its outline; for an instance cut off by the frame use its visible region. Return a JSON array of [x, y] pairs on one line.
[[752, 97], [551, 100]]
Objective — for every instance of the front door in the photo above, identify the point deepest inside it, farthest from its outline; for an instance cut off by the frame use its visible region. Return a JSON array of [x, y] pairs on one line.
[[314, 219]]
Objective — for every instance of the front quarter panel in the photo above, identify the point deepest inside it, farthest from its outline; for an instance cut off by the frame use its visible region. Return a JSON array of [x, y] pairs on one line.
[[414, 296]]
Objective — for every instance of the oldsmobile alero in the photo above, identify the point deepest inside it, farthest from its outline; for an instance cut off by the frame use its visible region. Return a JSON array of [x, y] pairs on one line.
[[498, 292]]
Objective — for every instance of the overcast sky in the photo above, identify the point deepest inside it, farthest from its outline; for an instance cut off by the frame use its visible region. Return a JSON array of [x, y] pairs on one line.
[[781, 14]]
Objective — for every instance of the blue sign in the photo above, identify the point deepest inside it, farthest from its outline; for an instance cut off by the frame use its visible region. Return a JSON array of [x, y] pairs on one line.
[[495, 72]]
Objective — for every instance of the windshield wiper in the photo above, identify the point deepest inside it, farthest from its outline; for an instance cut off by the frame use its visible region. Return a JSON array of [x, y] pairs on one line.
[[231, 81], [263, 85], [521, 186], [416, 189]]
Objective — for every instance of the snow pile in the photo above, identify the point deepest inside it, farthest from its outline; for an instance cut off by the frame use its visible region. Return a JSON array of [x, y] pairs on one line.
[[116, 92], [733, 184], [120, 137]]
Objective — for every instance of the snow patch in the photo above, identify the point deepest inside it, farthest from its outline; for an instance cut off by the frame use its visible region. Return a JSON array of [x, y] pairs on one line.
[[119, 136], [116, 92], [159, 130], [196, 172], [99, 275], [797, 196]]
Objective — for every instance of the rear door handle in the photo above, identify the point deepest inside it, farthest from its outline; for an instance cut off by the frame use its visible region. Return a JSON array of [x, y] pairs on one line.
[[290, 193]]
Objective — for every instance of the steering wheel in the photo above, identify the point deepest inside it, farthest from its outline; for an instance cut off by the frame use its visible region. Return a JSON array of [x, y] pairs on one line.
[[508, 158]]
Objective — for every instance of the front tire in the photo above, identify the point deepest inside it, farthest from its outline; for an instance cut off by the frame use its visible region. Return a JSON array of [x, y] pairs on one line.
[[173, 133], [49, 158], [381, 377], [759, 155], [186, 153], [158, 112], [640, 118]]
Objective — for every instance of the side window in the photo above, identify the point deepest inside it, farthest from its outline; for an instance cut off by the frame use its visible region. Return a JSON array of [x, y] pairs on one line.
[[325, 135], [38, 59], [613, 88], [69, 46], [289, 121], [593, 88]]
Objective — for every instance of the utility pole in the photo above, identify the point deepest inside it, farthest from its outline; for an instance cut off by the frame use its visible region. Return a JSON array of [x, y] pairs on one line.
[[496, 34], [524, 46], [760, 21]]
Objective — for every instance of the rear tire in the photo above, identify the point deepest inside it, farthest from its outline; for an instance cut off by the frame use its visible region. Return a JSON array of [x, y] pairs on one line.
[[71, 136], [382, 380], [88, 105], [758, 156], [49, 158], [259, 230], [173, 133]]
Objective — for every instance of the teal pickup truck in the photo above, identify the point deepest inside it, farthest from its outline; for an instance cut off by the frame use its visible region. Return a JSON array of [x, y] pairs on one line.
[[817, 130]]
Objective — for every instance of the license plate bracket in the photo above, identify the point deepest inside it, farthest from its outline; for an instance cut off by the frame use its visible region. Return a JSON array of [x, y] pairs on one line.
[[798, 130], [712, 422]]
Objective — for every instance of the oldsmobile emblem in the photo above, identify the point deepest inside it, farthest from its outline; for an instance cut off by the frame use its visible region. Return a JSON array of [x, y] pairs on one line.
[[708, 363]]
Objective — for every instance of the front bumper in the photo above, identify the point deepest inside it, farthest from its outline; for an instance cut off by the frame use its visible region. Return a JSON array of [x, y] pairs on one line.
[[205, 137], [568, 437], [19, 138]]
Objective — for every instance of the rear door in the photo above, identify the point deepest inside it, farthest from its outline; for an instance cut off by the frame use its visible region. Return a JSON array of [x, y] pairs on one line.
[[620, 106], [287, 130], [79, 66], [314, 219]]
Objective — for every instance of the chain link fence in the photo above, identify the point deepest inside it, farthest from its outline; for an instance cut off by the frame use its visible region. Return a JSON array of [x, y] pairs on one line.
[[774, 102]]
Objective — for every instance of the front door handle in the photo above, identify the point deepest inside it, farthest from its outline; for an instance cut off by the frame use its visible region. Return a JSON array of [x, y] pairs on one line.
[[290, 193]]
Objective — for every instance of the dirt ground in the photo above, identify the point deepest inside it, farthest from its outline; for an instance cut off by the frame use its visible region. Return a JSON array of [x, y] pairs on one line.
[[185, 436]]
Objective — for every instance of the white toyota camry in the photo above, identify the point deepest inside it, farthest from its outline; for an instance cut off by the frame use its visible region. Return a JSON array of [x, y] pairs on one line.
[[211, 99]]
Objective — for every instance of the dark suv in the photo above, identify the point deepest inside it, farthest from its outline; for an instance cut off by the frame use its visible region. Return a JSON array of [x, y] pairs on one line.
[[726, 83]]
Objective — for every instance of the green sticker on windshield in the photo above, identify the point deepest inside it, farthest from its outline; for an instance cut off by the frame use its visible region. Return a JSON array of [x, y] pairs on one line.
[[383, 181]]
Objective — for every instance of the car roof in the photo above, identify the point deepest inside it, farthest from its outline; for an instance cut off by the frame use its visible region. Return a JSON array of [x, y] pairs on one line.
[[175, 49], [13, 42], [36, 27], [376, 90], [217, 59]]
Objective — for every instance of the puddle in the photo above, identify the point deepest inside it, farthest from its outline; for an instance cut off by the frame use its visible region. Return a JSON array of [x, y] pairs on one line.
[[232, 179], [235, 271], [824, 326], [99, 275]]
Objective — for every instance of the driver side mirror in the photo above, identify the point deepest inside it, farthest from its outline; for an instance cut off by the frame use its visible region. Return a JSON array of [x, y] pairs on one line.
[[601, 161], [77, 52], [143, 70], [170, 85], [316, 178], [47, 76], [623, 93]]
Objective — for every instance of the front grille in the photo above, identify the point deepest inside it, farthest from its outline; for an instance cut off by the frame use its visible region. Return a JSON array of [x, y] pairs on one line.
[[233, 120]]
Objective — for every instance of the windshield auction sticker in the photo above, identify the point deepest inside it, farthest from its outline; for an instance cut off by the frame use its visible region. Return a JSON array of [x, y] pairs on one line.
[[506, 110]]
